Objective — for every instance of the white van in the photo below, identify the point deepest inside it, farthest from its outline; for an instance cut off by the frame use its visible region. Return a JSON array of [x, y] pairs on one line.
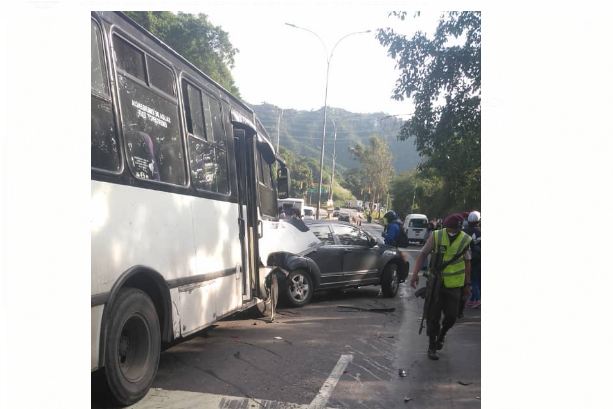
[[288, 205], [416, 228], [309, 212]]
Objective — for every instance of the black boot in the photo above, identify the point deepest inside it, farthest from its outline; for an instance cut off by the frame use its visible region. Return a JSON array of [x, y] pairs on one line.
[[440, 341], [432, 349]]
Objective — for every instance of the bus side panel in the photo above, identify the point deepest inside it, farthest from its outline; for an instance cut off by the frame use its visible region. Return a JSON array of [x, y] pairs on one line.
[[133, 226], [176, 319], [230, 286], [95, 334], [197, 305], [218, 249]]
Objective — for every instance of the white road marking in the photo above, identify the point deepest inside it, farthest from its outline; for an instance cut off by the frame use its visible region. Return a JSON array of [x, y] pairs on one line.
[[322, 397], [160, 398]]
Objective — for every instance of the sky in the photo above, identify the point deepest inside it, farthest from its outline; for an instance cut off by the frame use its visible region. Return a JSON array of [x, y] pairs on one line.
[[286, 66]]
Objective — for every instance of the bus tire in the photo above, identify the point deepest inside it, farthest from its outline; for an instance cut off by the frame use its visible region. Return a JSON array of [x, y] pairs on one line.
[[298, 288], [132, 346], [390, 280]]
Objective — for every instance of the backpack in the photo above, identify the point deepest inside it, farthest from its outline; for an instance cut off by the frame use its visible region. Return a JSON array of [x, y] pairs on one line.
[[402, 240]]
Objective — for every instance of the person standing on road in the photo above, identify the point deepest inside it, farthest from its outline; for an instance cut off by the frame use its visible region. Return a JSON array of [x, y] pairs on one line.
[[391, 231], [474, 231], [449, 241]]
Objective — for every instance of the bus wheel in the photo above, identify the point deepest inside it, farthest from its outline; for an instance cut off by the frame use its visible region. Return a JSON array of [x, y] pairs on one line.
[[298, 288], [132, 346], [390, 280]]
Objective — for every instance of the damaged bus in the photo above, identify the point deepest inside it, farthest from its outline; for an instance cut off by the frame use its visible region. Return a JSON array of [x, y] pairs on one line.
[[184, 223]]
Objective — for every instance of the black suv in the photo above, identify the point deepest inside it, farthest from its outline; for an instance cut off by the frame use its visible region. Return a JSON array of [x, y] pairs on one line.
[[347, 257]]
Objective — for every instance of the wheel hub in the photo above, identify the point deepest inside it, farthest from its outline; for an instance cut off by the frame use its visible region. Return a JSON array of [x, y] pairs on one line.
[[133, 348]]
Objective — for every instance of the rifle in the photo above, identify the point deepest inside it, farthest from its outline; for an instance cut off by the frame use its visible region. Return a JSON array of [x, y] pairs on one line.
[[435, 280], [432, 286]]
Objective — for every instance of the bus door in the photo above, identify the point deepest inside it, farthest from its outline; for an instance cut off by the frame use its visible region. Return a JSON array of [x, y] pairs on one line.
[[244, 145]]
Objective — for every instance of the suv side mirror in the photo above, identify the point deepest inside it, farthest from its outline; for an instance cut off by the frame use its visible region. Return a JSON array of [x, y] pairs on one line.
[[283, 182]]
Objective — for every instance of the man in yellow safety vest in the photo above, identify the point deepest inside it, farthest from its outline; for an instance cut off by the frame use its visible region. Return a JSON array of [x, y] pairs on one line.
[[454, 247]]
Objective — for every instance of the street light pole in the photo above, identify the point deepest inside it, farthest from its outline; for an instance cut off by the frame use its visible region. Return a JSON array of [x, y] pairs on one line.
[[331, 196], [323, 138], [279, 129]]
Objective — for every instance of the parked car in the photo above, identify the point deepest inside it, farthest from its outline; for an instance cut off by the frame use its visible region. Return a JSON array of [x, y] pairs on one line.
[[347, 257]]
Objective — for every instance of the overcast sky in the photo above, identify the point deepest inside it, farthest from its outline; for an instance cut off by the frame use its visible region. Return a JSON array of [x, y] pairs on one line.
[[286, 66]]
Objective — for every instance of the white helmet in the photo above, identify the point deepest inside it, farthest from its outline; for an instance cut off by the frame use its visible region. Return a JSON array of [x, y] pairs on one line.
[[474, 217]]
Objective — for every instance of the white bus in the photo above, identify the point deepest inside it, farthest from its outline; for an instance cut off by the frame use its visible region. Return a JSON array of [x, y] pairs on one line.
[[184, 223]]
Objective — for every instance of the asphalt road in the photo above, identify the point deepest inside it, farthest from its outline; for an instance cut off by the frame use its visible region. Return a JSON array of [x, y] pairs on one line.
[[344, 350]]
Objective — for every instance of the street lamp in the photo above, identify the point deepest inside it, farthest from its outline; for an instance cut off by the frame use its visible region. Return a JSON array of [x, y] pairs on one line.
[[323, 138], [331, 195]]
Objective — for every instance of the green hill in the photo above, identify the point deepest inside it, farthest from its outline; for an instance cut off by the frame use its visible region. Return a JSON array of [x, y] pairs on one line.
[[301, 132]]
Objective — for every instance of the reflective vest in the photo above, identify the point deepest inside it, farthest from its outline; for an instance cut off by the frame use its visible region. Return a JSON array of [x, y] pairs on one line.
[[454, 273]]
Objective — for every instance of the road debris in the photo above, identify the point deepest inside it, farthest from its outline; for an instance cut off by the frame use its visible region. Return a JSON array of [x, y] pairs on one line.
[[478, 397], [278, 338], [465, 383], [402, 373], [407, 399], [348, 308]]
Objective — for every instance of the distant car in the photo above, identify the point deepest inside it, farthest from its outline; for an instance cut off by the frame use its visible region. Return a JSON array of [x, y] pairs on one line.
[[309, 213], [344, 217], [347, 257], [336, 211]]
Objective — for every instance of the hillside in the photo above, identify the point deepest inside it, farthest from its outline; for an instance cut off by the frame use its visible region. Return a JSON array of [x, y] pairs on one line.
[[300, 132]]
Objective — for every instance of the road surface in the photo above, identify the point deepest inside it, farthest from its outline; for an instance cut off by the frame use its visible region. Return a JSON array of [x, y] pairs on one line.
[[343, 350]]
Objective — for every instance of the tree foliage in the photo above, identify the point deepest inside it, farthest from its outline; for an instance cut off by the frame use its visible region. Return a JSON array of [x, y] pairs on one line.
[[205, 45], [416, 192], [354, 179], [301, 176], [442, 76], [376, 162]]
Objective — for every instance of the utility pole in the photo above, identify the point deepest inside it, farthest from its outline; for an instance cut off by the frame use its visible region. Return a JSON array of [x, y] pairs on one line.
[[279, 129], [331, 196]]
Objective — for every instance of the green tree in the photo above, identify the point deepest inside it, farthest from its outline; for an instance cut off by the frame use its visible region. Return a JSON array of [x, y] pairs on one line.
[[442, 76], [376, 162], [417, 192], [301, 176], [354, 179], [205, 45]]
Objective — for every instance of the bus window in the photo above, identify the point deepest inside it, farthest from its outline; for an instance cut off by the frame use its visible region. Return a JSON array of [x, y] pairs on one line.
[[268, 202], [221, 151], [129, 59], [160, 76], [194, 111], [150, 122], [104, 146], [207, 155], [264, 175]]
